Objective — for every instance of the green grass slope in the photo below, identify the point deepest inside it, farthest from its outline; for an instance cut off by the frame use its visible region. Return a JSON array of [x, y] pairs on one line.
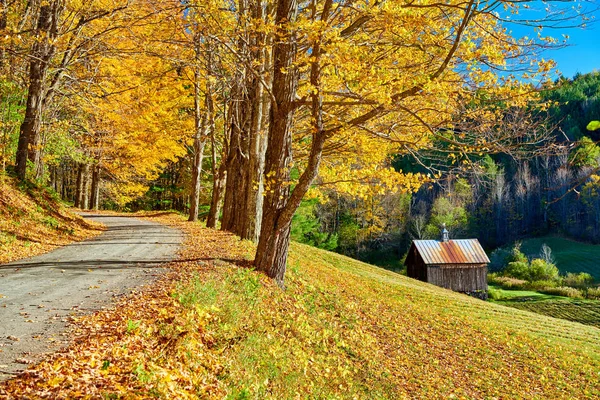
[[571, 256], [346, 329]]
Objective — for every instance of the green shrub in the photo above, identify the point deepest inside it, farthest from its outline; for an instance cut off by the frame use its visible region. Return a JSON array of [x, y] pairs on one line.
[[516, 255], [593, 293], [537, 270], [542, 270], [517, 269], [563, 291], [581, 279], [50, 222]]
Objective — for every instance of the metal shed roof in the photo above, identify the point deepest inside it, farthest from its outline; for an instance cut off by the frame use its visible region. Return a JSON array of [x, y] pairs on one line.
[[463, 251]]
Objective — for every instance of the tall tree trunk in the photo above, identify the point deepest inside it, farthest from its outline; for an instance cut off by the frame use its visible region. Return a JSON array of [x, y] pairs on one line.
[[245, 161], [273, 243], [42, 52], [236, 162], [79, 187], [199, 142], [280, 205], [95, 195], [219, 179], [204, 123], [3, 24], [85, 188]]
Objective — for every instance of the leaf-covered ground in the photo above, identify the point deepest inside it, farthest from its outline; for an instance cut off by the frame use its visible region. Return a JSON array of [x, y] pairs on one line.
[[213, 328], [32, 222]]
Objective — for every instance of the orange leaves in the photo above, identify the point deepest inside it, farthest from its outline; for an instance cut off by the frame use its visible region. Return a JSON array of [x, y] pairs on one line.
[[33, 222]]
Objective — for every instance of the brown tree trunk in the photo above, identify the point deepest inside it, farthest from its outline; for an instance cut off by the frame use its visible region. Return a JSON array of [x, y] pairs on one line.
[[3, 24], [79, 187], [85, 187], [204, 123], [95, 195], [42, 52], [199, 142], [272, 250], [219, 179], [280, 205], [237, 165], [242, 208]]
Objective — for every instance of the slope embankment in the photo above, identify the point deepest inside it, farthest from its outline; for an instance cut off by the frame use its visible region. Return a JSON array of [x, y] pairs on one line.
[[33, 221], [342, 329]]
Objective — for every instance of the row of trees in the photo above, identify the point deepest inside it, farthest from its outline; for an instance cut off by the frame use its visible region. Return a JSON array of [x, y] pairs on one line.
[[287, 97]]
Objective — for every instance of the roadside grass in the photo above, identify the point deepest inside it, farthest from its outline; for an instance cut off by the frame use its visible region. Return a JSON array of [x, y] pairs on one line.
[[571, 256], [342, 329], [33, 221]]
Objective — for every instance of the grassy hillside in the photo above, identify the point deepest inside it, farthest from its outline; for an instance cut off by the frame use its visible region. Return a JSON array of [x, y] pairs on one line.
[[33, 221], [341, 329], [571, 256]]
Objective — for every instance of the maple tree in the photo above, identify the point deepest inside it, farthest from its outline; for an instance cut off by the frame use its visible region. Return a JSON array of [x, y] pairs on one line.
[[60, 38], [387, 77]]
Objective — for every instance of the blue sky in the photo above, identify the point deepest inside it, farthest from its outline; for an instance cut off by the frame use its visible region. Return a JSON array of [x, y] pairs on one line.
[[583, 51]]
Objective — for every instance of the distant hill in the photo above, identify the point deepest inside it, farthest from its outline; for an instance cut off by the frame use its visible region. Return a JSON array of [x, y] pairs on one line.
[[34, 221]]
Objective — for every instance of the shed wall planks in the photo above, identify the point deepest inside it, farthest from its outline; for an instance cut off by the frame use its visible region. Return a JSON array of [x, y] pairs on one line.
[[458, 278]]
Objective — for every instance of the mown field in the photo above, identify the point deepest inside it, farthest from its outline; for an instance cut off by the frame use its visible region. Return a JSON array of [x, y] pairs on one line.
[[571, 256], [342, 329], [583, 311]]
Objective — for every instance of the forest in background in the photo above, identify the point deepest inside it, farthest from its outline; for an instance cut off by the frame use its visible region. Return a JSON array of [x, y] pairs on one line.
[[499, 200], [372, 123]]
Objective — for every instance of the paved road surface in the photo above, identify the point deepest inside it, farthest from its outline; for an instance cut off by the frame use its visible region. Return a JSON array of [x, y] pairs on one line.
[[38, 294]]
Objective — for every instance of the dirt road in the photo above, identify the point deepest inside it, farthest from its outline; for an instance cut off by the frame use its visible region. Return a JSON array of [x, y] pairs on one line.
[[39, 294]]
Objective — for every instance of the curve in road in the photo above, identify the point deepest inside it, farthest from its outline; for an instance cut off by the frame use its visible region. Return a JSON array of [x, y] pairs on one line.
[[38, 294]]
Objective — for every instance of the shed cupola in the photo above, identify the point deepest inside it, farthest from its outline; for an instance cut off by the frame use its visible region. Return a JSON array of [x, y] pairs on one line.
[[445, 234]]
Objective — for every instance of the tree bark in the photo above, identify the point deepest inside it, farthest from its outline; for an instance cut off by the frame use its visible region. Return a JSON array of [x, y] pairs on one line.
[[242, 207], [95, 195], [280, 205], [85, 187], [79, 187], [42, 52], [199, 142], [3, 24], [204, 122], [237, 150], [272, 250], [219, 180]]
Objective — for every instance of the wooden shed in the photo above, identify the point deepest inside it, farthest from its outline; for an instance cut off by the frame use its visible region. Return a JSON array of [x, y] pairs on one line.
[[459, 265]]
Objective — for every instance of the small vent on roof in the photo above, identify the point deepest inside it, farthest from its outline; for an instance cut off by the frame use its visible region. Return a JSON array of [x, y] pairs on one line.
[[445, 234]]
